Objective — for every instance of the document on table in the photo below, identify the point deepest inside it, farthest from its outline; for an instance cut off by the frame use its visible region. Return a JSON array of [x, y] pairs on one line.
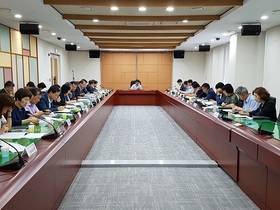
[[12, 135], [34, 135], [52, 118], [64, 110]]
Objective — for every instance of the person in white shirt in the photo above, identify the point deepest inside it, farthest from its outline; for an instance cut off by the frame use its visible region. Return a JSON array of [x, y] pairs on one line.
[[136, 85]]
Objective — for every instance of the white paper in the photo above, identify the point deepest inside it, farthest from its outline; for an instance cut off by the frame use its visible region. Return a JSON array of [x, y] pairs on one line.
[[12, 135], [34, 135], [239, 116], [52, 119], [64, 110]]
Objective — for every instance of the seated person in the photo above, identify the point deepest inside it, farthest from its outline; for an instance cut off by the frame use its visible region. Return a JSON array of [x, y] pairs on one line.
[[136, 85], [210, 94], [31, 105], [72, 94], [47, 100], [41, 86], [231, 97], [179, 85], [188, 86], [266, 107], [197, 91], [249, 101], [220, 97], [92, 86], [19, 115], [64, 95], [81, 88], [8, 88], [29, 85], [7, 104]]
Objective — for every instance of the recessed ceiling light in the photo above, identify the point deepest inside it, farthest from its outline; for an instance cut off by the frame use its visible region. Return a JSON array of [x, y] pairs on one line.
[[53, 33], [95, 20], [142, 9], [114, 8], [212, 40], [169, 9], [202, 44], [185, 21], [86, 8], [18, 16], [195, 47], [225, 34], [239, 27], [197, 8], [78, 47], [63, 39], [264, 17], [39, 26], [72, 43]]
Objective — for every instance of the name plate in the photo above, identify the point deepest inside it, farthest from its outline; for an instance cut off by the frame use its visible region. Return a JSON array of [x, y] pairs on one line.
[[79, 114], [31, 149], [68, 122], [216, 114], [86, 109], [195, 105]]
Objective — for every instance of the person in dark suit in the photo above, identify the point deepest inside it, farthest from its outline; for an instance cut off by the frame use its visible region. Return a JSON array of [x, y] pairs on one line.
[[91, 87], [72, 94], [267, 104], [81, 88], [47, 100], [8, 88], [220, 97], [210, 93], [19, 115]]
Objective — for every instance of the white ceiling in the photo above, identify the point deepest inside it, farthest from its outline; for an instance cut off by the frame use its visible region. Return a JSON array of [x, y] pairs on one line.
[[51, 20]]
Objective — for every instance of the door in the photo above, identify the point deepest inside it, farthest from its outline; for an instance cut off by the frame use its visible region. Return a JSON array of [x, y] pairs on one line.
[[55, 69]]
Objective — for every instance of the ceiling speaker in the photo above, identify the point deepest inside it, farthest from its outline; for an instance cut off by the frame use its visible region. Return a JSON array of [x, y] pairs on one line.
[[251, 30], [204, 48], [179, 53], [29, 28], [70, 47], [94, 54]]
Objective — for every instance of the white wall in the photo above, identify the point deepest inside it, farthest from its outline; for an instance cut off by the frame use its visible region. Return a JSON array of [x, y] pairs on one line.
[[272, 63], [249, 61], [44, 51], [84, 67], [191, 67]]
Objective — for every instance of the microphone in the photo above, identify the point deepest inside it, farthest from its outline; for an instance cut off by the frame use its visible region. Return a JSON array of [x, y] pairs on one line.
[[14, 164], [53, 135], [73, 75], [262, 131]]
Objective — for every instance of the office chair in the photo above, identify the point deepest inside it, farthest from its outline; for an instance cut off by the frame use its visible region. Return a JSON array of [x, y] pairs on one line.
[[272, 99], [132, 83]]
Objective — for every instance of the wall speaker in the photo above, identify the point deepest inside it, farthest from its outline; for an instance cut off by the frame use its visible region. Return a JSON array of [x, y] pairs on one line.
[[29, 28], [251, 30], [204, 48], [70, 47], [94, 54], [178, 53]]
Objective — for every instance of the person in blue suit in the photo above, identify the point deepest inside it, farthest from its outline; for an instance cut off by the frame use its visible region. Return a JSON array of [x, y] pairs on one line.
[[47, 100]]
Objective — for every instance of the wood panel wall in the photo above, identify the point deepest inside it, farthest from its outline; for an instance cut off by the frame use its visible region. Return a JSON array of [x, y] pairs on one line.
[[153, 69]]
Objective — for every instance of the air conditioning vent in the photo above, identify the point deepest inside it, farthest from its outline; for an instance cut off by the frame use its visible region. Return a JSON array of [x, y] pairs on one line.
[[139, 23]]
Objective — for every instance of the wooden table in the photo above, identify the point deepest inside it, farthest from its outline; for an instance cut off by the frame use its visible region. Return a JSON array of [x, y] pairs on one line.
[[253, 161]]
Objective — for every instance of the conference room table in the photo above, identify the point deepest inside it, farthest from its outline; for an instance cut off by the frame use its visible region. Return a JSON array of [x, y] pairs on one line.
[[250, 159]]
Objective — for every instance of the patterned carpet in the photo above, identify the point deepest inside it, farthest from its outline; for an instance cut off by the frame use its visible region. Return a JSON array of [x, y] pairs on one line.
[[148, 133]]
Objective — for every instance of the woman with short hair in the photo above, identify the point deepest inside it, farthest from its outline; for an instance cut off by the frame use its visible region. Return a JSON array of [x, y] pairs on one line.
[[7, 104]]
